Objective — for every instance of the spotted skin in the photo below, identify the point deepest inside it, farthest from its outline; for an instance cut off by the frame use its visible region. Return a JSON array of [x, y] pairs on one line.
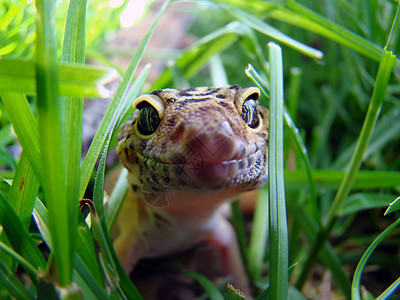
[[202, 155]]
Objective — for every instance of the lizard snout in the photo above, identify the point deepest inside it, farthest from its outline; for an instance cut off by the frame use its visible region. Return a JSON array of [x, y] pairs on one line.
[[210, 142]]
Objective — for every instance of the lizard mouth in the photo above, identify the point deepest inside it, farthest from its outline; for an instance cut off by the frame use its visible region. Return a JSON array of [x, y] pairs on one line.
[[205, 175]]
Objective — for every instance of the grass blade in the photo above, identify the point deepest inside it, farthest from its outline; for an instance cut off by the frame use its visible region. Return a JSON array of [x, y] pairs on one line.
[[279, 258], [362, 201], [22, 261], [197, 56], [258, 237], [73, 51], [218, 74], [23, 191], [385, 69], [328, 256], [393, 206], [330, 179], [297, 15], [298, 140], [21, 197], [19, 237], [305, 18], [85, 248], [387, 129], [355, 287], [263, 27], [389, 291], [87, 281], [117, 279], [121, 187], [238, 226], [212, 292], [26, 127], [52, 153], [13, 284], [109, 117], [74, 80]]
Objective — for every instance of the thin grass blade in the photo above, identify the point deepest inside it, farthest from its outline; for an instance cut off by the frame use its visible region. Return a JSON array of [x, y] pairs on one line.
[[22, 261], [295, 14], [21, 197], [385, 70], [355, 287], [328, 256], [23, 191], [52, 153], [88, 284], [212, 292], [75, 80], [258, 237], [261, 26], [393, 206], [387, 129], [279, 258], [362, 201], [330, 179], [25, 126], [110, 115], [73, 51], [85, 249], [120, 189], [382, 79], [127, 108], [390, 290], [19, 237], [218, 74], [298, 140], [238, 226], [198, 55], [117, 279], [13, 284]]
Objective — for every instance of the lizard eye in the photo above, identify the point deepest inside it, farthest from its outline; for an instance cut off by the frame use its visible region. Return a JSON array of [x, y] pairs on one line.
[[151, 111], [250, 113], [247, 106], [148, 119]]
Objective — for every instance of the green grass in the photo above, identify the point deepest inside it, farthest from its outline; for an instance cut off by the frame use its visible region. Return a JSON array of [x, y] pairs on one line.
[[334, 141]]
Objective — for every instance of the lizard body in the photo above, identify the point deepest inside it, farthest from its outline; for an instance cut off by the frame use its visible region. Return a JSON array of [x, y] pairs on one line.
[[187, 153]]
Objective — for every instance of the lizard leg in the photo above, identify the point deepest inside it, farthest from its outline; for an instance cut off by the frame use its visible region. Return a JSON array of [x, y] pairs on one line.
[[224, 239]]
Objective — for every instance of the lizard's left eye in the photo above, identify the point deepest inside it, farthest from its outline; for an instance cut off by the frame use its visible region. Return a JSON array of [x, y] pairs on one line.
[[250, 113], [151, 111], [148, 119]]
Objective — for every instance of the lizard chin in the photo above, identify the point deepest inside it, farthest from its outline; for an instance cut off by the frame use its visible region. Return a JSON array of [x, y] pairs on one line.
[[205, 176]]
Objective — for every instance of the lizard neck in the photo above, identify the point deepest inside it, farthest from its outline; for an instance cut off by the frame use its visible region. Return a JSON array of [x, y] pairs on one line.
[[183, 205]]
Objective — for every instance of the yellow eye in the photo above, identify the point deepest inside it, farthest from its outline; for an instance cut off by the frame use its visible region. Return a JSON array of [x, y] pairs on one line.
[[247, 106], [250, 113], [151, 110], [148, 119]]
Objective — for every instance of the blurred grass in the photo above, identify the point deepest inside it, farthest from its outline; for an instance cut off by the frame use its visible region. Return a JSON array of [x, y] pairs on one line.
[[327, 99]]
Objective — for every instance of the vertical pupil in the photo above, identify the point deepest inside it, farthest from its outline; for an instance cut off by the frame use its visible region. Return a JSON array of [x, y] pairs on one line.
[[250, 113], [148, 120]]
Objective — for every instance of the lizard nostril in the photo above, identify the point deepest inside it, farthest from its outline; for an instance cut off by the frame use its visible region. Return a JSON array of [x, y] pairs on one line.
[[209, 142], [179, 133]]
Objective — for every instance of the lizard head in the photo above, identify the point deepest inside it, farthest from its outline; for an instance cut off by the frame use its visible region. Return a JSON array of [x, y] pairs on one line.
[[199, 140]]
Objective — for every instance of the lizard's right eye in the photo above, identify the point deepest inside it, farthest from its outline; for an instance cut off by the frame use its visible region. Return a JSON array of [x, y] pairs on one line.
[[148, 119]]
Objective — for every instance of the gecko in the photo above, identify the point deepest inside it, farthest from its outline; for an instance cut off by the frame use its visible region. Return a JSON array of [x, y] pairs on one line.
[[187, 153]]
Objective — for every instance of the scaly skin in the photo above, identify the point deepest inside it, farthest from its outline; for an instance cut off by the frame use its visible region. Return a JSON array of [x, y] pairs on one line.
[[198, 154]]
